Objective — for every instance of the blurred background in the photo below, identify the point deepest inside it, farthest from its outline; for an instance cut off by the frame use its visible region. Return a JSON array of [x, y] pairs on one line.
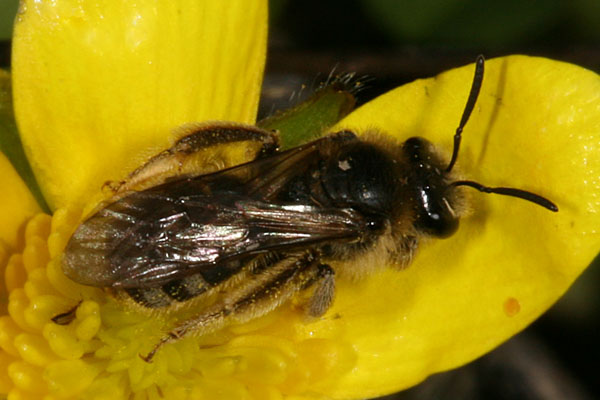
[[396, 41]]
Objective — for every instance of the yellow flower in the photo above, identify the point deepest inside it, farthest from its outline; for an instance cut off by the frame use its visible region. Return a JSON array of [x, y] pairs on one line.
[[99, 86]]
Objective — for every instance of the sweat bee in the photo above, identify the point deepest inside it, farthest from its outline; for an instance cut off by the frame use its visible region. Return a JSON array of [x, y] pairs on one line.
[[249, 237]]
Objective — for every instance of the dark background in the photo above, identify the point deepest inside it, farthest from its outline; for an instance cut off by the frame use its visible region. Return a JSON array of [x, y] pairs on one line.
[[395, 42]]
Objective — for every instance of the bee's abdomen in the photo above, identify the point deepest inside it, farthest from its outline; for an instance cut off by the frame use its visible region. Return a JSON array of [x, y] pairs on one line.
[[175, 291]]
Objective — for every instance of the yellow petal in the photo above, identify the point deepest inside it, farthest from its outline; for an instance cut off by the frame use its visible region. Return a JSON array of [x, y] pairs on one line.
[[95, 82], [536, 126], [17, 206]]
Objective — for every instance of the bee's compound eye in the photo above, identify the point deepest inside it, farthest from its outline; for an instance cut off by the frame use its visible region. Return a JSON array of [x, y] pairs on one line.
[[434, 212], [438, 222], [435, 215]]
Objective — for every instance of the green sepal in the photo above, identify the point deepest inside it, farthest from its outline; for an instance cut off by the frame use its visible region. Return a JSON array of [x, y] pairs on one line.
[[10, 142], [312, 117], [8, 10]]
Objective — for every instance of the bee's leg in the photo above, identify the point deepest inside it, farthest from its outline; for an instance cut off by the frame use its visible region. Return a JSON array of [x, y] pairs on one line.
[[323, 293], [195, 138], [67, 317], [171, 337], [189, 157], [263, 291]]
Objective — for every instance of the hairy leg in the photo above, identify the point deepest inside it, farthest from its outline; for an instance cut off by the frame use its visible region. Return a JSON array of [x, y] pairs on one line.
[[268, 290], [200, 149]]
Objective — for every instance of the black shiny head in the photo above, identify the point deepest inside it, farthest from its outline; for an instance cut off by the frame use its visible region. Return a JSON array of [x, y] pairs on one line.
[[434, 213]]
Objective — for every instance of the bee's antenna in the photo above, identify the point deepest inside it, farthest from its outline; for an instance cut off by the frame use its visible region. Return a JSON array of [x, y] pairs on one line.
[[475, 87], [521, 194]]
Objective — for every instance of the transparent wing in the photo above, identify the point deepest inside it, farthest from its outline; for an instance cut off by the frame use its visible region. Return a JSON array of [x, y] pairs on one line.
[[205, 225]]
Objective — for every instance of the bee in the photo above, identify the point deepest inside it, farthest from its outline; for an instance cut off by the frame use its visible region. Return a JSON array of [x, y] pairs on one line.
[[241, 240]]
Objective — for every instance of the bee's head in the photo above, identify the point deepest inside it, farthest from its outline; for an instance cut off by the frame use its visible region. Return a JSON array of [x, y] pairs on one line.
[[433, 200]]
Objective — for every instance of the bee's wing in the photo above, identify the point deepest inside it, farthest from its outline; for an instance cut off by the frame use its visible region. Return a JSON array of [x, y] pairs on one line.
[[122, 247], [207, 225]]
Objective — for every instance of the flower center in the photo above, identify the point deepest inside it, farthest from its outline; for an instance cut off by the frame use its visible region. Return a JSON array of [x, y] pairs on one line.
[[94, 346]]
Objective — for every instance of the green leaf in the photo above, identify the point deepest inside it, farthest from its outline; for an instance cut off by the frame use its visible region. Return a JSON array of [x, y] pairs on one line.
[[10, 142], [8, 10], [311, 118]]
